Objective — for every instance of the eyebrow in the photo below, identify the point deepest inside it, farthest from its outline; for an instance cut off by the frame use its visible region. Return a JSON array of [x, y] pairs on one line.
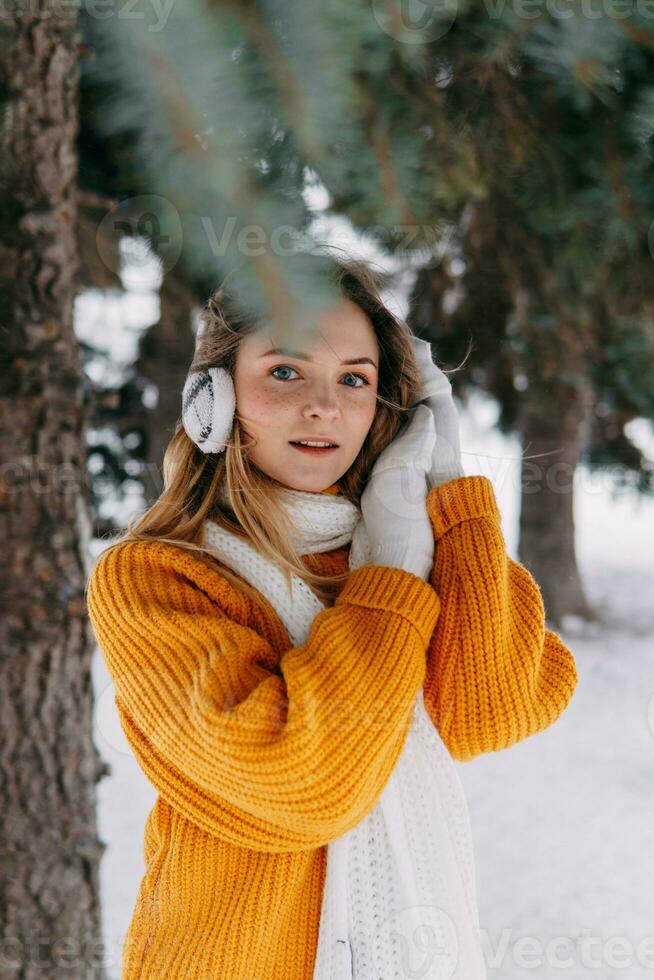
[[303, 357]]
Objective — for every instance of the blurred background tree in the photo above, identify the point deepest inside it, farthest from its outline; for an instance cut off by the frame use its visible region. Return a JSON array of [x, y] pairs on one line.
[[49, 765], [502, 159]]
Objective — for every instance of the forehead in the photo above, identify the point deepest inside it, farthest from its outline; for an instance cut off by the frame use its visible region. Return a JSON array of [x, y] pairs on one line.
[[341, 328]]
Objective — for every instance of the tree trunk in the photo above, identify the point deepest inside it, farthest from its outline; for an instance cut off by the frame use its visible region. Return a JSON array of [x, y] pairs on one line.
[[550, 422], [49, 848], [164, 358]]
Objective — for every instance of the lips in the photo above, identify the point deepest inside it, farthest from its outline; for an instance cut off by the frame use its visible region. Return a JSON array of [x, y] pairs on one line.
[[304, 446], [314, 450], [295, 442]]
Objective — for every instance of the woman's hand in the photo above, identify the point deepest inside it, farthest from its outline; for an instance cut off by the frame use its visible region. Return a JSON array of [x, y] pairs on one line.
[[436, 395], [394, 501]]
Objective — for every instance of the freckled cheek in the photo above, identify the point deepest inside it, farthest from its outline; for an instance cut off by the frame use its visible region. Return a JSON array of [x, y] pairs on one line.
[[364, 406], [262, 401], [264, 406]]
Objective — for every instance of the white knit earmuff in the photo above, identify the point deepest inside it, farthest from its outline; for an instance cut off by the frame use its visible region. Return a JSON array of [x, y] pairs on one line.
[[208, 408]]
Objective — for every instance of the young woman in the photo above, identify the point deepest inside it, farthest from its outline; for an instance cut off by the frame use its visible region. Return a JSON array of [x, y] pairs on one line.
[[302, 641]]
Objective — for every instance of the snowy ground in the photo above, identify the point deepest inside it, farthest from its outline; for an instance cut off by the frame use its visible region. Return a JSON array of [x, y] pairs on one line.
[[563, 822]]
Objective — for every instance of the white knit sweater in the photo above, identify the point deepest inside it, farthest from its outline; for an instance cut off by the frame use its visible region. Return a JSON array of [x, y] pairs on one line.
[[400, 897]]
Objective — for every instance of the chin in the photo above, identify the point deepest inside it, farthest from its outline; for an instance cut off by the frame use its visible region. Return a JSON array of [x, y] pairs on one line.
[[314, 480], [312, 483], [308, 486]]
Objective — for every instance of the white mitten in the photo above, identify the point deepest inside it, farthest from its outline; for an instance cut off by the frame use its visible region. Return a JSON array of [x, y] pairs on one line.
[[393, 503], [436, 395]]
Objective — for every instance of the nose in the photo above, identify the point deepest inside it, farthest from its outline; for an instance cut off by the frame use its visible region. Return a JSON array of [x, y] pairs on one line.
[[322, 402]]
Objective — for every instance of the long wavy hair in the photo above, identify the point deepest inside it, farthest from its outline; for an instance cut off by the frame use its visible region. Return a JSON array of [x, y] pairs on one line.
[[192, 478]]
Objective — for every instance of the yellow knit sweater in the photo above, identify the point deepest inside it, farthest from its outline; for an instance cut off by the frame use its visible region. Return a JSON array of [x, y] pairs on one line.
[[262, 753]]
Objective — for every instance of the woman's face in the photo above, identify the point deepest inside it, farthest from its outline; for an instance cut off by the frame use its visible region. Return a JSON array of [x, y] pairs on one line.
[[312, 393]]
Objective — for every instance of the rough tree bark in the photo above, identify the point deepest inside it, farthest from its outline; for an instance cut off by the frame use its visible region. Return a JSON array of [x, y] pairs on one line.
[[551, 415], [49, 766], [552, 410]]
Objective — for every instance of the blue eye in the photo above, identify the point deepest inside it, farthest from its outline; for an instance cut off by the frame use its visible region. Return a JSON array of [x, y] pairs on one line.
[[286, 367]]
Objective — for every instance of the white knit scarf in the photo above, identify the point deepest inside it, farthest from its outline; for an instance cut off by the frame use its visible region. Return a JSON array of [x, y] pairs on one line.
[[399, 899]]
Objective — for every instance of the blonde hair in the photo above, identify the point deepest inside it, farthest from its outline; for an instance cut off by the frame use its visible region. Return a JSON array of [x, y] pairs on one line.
[[192, 478]]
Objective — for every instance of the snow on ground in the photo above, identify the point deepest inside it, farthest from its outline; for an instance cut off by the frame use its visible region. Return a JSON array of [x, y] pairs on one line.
[[563, 822]]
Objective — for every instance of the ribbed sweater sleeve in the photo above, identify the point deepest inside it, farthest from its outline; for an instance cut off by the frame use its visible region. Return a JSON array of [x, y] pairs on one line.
[[494, 674], [272, 752]]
